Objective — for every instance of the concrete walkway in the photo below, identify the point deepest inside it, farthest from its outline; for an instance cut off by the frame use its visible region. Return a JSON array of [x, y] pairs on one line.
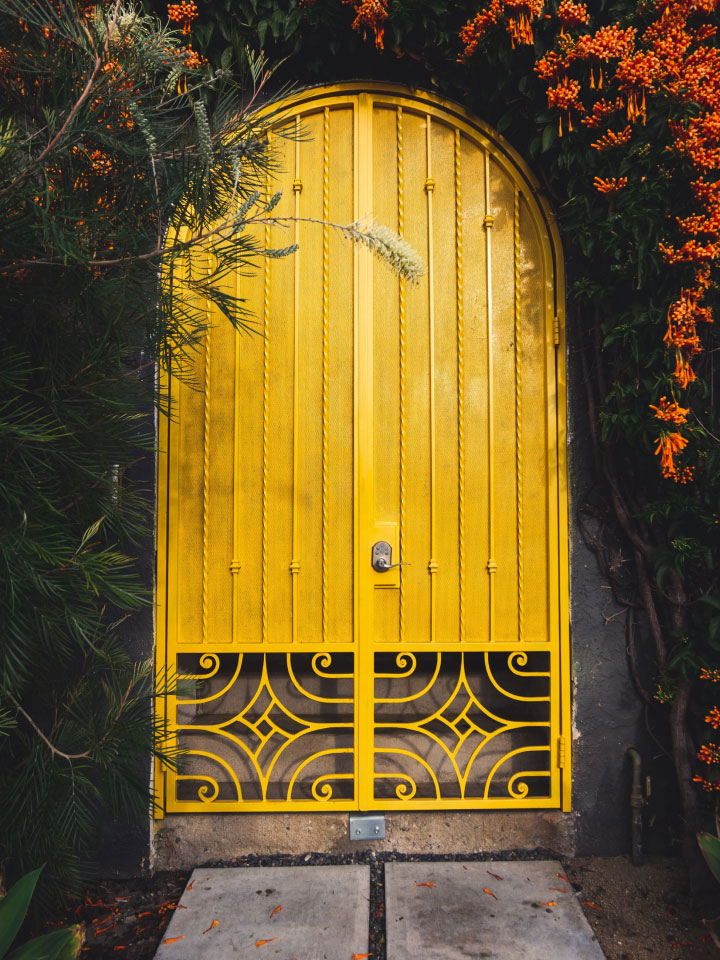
[[271, 913], [499, 910], [495, 910]]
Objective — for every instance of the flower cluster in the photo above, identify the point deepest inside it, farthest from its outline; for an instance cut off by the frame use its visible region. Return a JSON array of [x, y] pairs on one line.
[[683, 316], [713, 718], [709, 753], [669, 445], [670, 411], [611, 139], [707, 785], [601, 110], [610, 184], [712, 675], [519, 16], [572, 14], [193, 59], [370, 15], [565, 96], [183, 13]]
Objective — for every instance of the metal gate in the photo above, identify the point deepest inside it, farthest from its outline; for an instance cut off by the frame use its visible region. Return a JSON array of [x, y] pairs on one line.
[[376, 423]]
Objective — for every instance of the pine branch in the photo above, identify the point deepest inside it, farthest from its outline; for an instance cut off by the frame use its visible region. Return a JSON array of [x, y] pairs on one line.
[[57, 139]]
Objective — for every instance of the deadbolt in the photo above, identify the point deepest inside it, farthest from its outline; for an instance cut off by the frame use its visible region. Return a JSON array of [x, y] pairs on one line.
[[381, 558]]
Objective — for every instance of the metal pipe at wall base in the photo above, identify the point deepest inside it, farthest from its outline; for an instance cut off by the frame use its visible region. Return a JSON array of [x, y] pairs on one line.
[[636, 805]]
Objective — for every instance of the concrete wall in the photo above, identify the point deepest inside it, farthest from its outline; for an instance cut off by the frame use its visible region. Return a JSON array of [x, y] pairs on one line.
[[183, 841]]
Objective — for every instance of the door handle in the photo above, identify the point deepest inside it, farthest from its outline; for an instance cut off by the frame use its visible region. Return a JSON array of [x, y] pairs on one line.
[[381, 558]]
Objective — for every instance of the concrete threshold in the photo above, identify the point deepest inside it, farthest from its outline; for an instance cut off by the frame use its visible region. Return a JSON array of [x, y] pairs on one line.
[[494, 910], [271, 913]]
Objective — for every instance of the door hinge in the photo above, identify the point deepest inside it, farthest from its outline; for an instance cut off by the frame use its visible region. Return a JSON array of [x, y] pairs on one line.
[[556, 330], [561, 752]]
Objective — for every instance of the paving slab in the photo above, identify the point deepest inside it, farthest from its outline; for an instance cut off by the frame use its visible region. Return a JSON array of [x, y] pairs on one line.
[[495, 910], [271, 913]]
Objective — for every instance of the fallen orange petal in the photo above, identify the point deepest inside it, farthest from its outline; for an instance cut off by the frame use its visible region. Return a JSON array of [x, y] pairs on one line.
[[591, 905], [173, 939], [260, 943], [549, 903], [497, 877], [276, 910], [213, 924], [559, 889], [418, 885], [190, 885], [145, 913], [563, 877], [360, 956], [489, 893]]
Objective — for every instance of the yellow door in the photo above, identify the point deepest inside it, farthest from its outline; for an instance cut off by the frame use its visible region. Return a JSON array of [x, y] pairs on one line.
[[375, 424]]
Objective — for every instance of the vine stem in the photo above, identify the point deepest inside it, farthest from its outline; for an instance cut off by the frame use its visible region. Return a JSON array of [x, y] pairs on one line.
[[681, 751]]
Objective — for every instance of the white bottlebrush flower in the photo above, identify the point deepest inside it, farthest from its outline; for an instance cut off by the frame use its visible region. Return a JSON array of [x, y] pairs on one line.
[[118, 30], [388, 246], [205, 144]]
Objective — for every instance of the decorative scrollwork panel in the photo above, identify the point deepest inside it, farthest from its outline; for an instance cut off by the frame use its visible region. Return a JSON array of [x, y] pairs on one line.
[[462, 726], [265, 728]]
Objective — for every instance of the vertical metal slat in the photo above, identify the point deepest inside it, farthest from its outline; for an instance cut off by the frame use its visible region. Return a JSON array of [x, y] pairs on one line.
[[402, 346], [460, 388], [295, 562], [491, 564], [266, 423], [518, 414], [325, 364], [432, 563], [206, 472]]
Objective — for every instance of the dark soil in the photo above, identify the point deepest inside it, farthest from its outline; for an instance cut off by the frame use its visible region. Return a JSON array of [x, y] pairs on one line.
[[637, 913], [645, 912]]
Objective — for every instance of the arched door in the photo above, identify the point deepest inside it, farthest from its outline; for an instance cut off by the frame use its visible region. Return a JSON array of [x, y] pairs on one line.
[[423, 425]]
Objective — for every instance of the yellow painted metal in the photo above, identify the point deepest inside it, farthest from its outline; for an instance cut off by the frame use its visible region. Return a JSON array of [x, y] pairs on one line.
[[429, 416]]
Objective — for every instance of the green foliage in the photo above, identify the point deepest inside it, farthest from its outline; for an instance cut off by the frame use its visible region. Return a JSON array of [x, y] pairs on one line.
[[58, 945], [113, 154]]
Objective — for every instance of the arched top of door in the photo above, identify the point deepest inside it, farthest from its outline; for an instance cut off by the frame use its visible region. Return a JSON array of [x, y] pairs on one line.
[[313, 99]]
